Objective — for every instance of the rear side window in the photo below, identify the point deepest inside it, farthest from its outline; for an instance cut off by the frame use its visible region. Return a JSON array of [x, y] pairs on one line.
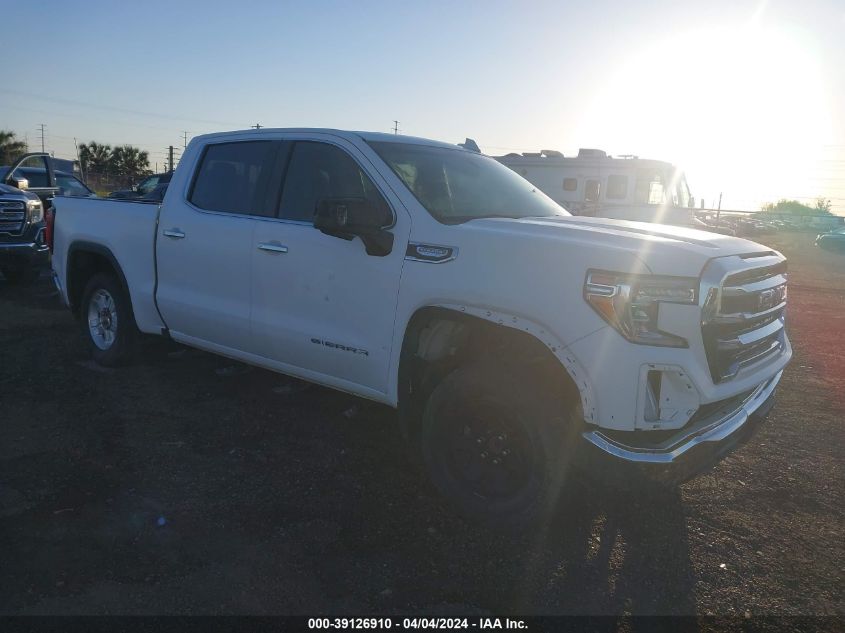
[[237, 178], [617, 187], [320, 170]]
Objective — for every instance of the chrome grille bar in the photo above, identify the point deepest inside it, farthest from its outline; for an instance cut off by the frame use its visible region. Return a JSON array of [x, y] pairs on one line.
[[743, 315], [12, 216]]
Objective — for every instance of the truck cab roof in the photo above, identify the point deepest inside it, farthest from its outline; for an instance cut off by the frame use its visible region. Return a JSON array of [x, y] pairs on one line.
[[381, 137]]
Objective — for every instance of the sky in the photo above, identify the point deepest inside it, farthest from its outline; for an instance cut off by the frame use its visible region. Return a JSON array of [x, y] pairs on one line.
[[747, 96]]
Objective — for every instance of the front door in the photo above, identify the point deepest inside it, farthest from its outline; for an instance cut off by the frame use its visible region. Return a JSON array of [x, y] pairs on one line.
[[321, 306]]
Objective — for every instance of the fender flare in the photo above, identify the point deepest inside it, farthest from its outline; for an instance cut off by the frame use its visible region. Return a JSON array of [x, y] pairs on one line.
[[98, 249], [540, 332]]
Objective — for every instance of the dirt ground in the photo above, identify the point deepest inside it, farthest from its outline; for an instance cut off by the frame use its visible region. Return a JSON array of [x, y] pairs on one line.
[[166, 487]]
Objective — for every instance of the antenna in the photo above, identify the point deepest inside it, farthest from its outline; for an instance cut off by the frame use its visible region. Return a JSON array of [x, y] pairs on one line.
[[257, 126]]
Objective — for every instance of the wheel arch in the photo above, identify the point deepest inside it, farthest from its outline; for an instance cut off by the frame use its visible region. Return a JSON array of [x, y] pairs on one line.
[[86, 259], [438, 337]]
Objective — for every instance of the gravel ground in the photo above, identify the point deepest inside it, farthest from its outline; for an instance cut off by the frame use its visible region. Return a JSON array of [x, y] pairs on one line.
[[179, 486]]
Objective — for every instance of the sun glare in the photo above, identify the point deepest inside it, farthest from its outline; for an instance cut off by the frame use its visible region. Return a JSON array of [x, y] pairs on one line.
[[741, 109]]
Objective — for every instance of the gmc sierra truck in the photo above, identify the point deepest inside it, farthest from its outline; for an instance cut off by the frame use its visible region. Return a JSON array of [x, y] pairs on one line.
[[518, 343], [23, 246]]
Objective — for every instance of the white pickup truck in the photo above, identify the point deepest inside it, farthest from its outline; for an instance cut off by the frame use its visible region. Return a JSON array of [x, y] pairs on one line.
[[516, 341]]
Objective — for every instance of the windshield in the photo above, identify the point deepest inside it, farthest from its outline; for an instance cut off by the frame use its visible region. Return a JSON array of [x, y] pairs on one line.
[[456, 186], [147, 185], [655, 187], [682, 198]]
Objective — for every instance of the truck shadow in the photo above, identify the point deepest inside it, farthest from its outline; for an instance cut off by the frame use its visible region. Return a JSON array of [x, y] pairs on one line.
[[608, 552], [603, 552]]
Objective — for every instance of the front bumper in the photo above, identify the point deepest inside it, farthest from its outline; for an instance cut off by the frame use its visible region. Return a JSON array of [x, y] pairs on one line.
[[21, 254], [691, 449]]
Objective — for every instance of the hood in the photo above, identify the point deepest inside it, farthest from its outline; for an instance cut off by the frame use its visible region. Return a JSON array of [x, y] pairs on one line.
[[14, 192], [664, 249]]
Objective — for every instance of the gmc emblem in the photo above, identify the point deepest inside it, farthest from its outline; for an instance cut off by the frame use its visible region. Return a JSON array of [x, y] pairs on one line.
[[770, 298]]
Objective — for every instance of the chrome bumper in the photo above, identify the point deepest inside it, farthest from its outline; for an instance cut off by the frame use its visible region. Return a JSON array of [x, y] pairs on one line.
[[18, 247], [714, 430]]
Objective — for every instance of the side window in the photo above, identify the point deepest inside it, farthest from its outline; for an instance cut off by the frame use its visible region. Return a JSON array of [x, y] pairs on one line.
[[236, 178], [70, 186], [570, 184], [617, 187], [317, 171], [592, 190], [34, 169]]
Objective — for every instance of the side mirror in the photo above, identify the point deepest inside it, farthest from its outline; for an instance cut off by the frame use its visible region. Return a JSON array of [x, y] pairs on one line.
[[20, 183], [347, 218]]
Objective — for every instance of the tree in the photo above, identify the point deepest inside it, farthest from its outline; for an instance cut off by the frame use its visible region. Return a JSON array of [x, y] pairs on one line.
[[823, 205], [10, 147], [130, 162], [95, 157], [793, 207]]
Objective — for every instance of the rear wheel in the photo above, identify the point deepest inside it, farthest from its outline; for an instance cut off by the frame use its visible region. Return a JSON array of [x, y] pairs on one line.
[[22, 275], [496, 446], [107, 320]]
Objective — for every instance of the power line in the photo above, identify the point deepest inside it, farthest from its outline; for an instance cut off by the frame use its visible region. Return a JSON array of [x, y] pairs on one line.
[[114, 109]]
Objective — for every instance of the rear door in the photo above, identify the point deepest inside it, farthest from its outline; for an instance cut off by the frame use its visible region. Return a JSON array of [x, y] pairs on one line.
[[322, 307], [204, 243]]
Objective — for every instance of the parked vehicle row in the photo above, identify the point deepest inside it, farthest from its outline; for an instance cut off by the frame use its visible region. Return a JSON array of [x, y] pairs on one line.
[[27, 189], [517, 342], [832, 240]]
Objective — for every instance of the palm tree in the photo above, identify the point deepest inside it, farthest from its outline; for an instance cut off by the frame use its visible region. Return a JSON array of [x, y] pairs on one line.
[[95, 157], [130, 162], [10, 147]]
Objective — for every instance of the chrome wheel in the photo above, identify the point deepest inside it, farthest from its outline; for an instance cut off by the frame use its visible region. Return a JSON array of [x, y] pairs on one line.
[[102, 319]]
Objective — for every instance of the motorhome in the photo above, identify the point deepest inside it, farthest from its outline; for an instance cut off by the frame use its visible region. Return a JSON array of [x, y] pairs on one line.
[[594, 183]]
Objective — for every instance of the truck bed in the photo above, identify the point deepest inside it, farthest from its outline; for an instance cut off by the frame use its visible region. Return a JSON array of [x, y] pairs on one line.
[[124, 230]]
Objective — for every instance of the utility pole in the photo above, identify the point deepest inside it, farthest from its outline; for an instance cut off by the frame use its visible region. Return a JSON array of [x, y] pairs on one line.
[[719, 208], [257, 126], [170, 158], [184, 140], [41, 125], [78, 160], [395, 126]]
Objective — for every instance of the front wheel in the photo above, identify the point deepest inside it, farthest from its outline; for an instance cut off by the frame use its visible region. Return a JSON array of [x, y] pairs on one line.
[[496, 446], [107, 320]]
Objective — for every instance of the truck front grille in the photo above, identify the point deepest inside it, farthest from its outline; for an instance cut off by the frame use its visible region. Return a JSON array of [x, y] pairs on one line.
[[12, 217], [743, 317]]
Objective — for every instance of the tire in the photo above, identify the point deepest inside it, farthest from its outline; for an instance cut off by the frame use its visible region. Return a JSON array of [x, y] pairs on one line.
[[107, 321], [22, 276], [496, 446]]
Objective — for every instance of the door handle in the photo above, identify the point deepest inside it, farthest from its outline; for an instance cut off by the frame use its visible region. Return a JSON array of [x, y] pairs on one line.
[[272, 247], [176, 234]]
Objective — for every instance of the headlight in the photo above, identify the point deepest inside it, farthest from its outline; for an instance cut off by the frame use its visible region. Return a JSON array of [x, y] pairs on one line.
[[631, 303], [36, 211]]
